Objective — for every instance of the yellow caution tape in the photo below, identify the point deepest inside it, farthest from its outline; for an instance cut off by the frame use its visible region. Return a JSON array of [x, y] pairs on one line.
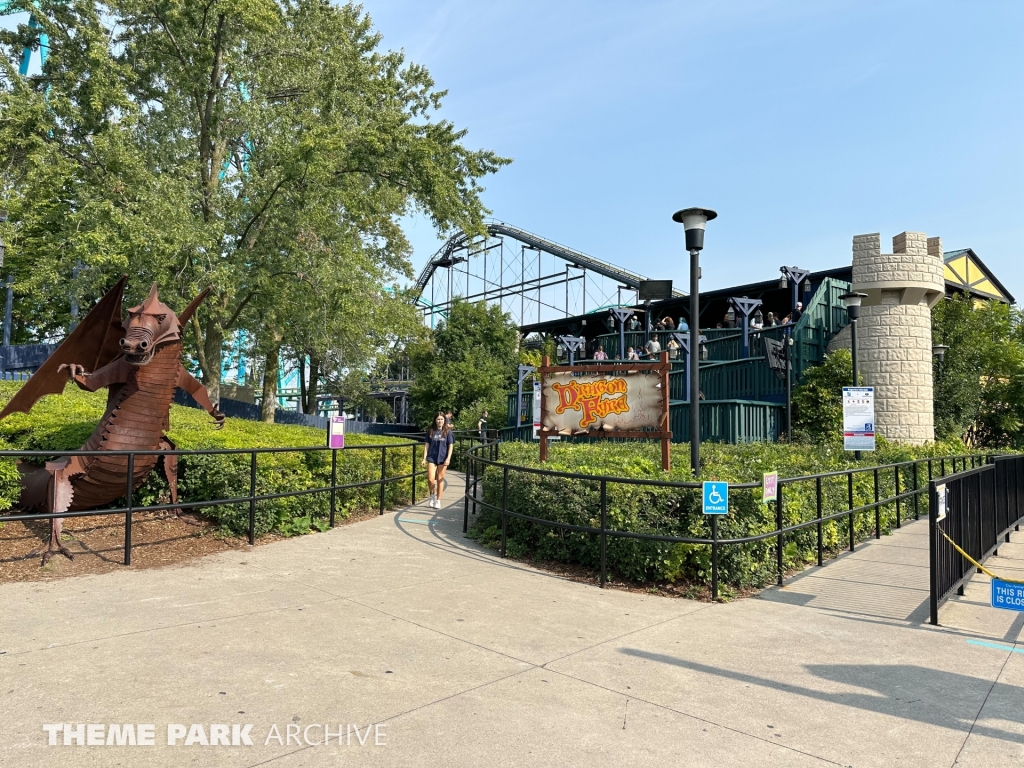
[[974, 562]]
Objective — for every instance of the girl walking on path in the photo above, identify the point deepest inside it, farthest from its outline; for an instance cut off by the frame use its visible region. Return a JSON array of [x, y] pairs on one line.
[[437, 454]]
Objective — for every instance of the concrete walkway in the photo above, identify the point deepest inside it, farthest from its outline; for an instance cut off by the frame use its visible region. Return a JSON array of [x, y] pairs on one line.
[[467, 660]]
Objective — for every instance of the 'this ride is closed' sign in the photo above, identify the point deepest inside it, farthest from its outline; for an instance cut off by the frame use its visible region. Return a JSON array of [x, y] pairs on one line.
[[585, 403]]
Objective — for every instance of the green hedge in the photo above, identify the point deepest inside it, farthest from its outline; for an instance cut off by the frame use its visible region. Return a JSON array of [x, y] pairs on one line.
[[64, 422], [677, 512]]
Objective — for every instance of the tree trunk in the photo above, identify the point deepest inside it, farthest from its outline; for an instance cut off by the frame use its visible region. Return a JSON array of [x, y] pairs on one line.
[[213, 354], [302, 383], [271, 366], [312, 388]]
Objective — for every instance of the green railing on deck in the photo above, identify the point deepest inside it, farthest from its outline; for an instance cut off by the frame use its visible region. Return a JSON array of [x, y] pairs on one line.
[[735, 389]]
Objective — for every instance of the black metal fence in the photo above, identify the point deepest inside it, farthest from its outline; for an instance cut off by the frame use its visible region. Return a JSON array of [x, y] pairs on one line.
[[897, 486], [975, 508], [129, 509]]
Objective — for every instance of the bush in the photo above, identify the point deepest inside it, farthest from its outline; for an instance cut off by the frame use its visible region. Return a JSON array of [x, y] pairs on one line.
[[64, 422], [818, 401], [677, 512]]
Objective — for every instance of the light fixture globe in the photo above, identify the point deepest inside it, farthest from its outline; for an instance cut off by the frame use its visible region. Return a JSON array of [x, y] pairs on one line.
[[693, 221], [853, 301], [939, 351]]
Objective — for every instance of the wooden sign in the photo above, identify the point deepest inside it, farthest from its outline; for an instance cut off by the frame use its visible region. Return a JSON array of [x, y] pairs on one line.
[[628, 400]]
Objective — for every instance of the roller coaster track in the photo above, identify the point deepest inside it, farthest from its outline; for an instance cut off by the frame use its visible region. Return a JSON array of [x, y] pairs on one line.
[[445, 257]]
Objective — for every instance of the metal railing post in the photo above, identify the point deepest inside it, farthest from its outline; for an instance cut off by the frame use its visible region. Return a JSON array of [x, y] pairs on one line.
[[818, 493], [465, 500], [413, 497], [476, 480], [383, 474], [334, 484], [878, 511], [252, 499], [896, 478], [504, 505], [128, 513], [933, 560], [849, 495], [917, 494], [604, 528], [778, 538], [714, 557]]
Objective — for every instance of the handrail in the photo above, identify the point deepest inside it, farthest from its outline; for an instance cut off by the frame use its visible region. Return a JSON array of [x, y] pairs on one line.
[[476, 459], [252, 497]]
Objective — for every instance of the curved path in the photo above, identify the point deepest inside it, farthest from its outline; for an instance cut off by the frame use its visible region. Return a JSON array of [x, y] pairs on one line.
[[468, 660]]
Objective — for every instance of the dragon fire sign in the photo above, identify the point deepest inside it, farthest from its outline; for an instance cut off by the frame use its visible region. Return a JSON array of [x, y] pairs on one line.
[[627, 400]]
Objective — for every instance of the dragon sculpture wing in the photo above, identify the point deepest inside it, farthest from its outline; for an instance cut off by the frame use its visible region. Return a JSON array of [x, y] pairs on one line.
[[94, 343]]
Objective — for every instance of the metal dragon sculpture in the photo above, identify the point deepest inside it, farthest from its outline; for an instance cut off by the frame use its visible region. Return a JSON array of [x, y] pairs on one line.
[[138, 360]]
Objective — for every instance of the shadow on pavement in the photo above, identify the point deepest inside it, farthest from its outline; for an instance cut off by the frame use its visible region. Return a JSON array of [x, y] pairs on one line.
[[897, 687]]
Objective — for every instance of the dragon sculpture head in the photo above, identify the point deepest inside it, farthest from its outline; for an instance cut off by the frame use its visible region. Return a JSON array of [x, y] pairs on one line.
[[148, 325]]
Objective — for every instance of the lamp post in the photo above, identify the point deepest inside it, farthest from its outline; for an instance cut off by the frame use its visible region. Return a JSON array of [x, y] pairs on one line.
[[3, 248], [572, 345], [939, 353], [789, 388], [684, 342], [745, 308], [853, 301], [794, 275], [521, 374], [622, 316], [694, 220]]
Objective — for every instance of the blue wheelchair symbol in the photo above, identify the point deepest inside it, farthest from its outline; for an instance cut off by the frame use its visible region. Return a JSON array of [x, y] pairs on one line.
[[716, 498]]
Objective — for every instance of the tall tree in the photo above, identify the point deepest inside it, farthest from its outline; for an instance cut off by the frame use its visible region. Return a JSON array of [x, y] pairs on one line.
[[253, 146]]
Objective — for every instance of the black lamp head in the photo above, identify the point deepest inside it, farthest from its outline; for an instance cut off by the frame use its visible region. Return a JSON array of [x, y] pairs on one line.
[[693, 221]]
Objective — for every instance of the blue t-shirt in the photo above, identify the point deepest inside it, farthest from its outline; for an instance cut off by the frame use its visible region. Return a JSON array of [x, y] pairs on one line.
[[437, 446]]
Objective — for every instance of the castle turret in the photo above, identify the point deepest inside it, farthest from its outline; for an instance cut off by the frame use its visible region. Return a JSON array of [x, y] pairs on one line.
[[895, 330]]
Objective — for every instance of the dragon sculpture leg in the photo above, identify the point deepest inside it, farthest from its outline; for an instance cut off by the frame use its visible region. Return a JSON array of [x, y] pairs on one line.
[[171, 470], [58, 499]]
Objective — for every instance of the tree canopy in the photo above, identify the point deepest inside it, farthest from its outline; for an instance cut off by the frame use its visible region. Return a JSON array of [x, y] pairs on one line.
[[266, 148], [979, 386], [468, 364]]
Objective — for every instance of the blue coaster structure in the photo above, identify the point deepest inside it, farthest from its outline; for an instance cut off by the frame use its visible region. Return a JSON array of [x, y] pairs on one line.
[[42, 45]]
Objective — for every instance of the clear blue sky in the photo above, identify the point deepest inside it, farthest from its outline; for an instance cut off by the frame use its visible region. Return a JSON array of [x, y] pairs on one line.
[[801, 123]]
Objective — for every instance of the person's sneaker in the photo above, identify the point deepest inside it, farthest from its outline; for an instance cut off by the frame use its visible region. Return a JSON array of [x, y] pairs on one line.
[[431, 502], [436, 504]]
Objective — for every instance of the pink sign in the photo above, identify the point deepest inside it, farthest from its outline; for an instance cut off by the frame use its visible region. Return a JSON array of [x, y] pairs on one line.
[[336, 432], [770, 487]]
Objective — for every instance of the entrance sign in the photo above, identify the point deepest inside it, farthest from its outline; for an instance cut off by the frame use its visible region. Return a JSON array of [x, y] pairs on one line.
[[770, 487], [940, 494], [859, 418], [536, 408], [624, 400], [580, 403], [336, 432], [716, 498], [1007, 595]]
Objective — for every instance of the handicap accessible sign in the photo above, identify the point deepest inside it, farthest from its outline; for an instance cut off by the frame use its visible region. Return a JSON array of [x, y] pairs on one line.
[[1006, 594], [716, 498]]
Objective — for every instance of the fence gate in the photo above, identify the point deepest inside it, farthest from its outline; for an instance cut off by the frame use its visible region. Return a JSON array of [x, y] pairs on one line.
[[976, 509]]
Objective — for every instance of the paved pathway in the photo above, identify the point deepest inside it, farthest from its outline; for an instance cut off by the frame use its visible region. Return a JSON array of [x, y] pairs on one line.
[[471, 661]]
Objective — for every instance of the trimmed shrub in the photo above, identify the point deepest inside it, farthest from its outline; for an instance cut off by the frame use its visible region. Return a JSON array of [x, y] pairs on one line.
[[64, 422], [678, 512]]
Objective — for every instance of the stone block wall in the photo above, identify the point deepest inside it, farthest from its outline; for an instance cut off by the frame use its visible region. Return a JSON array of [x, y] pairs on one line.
[[894, 337]]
